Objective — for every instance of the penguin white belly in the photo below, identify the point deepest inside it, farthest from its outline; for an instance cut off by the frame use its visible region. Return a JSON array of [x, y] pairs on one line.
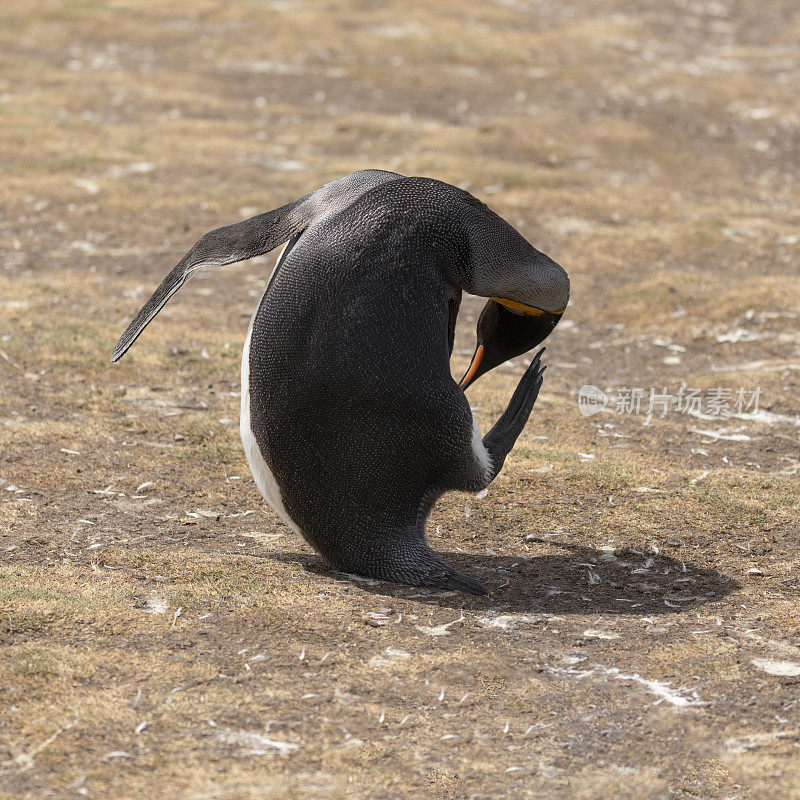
[[482, 457], [262, 474]]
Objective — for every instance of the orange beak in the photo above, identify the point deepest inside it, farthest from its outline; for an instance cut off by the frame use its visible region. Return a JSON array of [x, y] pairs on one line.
[[473, 367]]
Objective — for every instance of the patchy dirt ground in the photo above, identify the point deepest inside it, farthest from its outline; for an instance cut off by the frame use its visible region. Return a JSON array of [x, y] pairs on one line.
[[163, 635]]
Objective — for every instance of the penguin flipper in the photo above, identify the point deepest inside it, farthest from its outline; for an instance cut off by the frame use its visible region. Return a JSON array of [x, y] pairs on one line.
[[217, 248], [252, 237]]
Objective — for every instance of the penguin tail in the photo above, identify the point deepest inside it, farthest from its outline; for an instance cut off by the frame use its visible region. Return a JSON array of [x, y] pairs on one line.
[[438, 574], [401, 559], [463, 583]]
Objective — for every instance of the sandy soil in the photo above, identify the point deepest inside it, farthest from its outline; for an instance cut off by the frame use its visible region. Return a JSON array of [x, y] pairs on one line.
[[163, 635]]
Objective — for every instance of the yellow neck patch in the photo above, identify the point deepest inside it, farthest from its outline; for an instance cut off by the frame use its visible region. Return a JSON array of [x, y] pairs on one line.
[[530, 311]]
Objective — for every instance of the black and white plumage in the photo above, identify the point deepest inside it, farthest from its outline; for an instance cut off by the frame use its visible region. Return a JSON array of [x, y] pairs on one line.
[[351, 421]]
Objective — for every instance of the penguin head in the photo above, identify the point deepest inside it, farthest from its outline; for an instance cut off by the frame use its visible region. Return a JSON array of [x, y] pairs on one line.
[[528, 291], [506, 329]]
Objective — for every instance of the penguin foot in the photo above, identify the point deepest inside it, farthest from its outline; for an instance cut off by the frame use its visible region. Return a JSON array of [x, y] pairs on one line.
[[524, 397], [503, 435]]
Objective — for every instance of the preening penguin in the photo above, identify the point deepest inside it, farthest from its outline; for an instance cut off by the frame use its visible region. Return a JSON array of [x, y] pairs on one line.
[[351, 421]]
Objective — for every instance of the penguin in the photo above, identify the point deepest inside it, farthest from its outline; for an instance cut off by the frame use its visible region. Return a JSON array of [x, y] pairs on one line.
[[351, 421]]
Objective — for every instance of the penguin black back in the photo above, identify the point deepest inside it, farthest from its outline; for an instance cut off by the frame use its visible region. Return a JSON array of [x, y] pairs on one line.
[[352, 422], [359, 392]]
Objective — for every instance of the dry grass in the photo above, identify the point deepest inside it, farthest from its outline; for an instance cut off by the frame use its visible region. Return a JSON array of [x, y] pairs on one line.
[[173, 639]]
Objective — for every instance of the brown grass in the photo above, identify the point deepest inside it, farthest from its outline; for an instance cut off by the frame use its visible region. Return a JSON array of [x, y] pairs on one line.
[[154, 642]]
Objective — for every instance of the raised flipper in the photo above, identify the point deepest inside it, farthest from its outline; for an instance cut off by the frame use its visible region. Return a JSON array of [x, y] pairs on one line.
[[253, 237], [218, 248], [501, 438]]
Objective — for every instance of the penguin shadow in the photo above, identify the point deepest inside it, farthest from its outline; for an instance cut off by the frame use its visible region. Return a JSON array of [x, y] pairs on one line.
[[579, 580]]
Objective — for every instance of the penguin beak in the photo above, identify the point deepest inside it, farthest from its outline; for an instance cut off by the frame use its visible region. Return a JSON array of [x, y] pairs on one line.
[[473, 368], [506, 329]]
